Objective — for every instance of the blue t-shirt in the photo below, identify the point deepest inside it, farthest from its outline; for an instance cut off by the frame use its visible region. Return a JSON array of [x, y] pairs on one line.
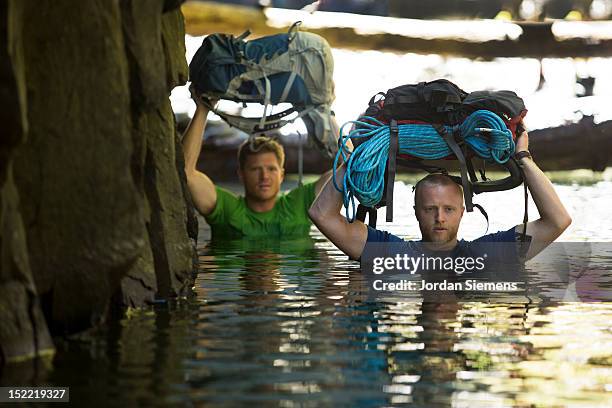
[[375, 235], [503, 251]]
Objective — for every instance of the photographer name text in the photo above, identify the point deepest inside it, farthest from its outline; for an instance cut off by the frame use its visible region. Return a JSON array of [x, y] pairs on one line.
[[444, 285]]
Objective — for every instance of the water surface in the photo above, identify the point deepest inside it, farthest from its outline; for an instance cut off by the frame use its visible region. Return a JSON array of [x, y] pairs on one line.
[[288, 324]]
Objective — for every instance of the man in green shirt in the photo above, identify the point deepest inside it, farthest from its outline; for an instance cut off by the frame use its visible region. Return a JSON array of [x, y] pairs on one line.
[[262, 212]]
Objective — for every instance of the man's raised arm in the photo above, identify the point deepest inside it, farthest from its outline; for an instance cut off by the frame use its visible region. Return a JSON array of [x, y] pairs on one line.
[[202, 189], [325, 214], [554, 218], [327, 175]]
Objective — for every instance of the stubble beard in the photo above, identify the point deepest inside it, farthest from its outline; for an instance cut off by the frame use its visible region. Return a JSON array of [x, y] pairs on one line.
[[448, 236], [262, 196]]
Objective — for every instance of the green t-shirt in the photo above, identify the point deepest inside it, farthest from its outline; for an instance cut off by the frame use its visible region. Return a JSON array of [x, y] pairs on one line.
[[232, 218]]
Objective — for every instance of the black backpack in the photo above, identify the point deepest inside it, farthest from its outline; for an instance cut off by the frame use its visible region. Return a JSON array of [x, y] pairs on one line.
[[430, 102], [441, 102]]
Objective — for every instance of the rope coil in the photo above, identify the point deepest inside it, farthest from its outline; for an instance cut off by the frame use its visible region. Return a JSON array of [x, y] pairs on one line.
[[484, 132]]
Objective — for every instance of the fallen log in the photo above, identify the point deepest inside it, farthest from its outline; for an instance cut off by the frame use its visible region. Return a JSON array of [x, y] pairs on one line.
[[360, 32], [581, 145]]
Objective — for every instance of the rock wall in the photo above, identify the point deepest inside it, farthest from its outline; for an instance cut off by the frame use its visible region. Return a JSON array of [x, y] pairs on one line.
[[93, 199]]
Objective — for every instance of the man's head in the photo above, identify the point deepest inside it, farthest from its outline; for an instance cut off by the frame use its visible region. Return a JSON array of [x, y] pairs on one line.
[[260, 168], [438, 205]]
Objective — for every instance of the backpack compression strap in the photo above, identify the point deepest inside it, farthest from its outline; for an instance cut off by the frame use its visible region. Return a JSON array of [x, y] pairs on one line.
[[391, 166], [362, 211], [452, 144], [253, 125]]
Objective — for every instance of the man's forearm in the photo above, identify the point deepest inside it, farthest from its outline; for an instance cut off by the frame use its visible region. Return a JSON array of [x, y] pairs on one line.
[[350, 238], [329, 200], [322, 180], [547, 201], [192, 140], [200, 185]]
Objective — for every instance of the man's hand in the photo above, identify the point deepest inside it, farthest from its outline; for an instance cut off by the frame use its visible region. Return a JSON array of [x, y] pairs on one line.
[[522, 140], [200, 100]]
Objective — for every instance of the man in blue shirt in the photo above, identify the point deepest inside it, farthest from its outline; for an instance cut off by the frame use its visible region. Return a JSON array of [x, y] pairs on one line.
[[439, 209]]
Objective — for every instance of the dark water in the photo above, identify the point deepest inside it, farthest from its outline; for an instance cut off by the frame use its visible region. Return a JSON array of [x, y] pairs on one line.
[[289, 324]]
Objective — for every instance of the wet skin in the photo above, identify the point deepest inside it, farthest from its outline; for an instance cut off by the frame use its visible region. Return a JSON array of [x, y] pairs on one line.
[[439, 210]]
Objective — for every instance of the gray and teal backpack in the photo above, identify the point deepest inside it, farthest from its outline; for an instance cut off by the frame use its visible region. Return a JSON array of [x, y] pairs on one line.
[[295, 67]]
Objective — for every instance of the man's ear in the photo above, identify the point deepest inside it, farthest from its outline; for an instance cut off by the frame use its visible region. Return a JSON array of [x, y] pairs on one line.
[[240, 176]]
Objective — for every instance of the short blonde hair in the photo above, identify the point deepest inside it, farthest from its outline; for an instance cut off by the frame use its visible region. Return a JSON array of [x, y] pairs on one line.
[[435, 179], [259, 145]]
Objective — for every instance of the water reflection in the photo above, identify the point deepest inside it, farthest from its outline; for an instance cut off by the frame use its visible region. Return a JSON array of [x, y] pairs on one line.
[[290, 323], [309, 337], [133, 362]]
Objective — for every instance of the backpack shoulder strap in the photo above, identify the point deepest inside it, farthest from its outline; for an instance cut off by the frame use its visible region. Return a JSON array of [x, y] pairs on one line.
[[465, 182]]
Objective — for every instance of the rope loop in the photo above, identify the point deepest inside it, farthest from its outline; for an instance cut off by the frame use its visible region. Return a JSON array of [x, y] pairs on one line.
[[483, 131]]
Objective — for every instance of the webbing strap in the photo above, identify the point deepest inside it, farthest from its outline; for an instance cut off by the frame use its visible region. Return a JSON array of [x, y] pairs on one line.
[[484, 214], [288, 87], [293, 30], [470, 166], [372, 217], [420, 93], [483, 174], [525, 215], [243, 35], [391, 166], [252, 125], [373, 99], [467, 186], [266, 101], [420, 98], [300, 159], [362, 211]]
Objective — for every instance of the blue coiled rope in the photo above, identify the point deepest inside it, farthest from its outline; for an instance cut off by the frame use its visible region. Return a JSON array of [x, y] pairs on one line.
[[483, 131]]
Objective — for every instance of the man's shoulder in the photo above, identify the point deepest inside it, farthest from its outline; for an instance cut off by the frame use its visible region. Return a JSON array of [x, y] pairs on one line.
[[229, 200], [500, 236], [376, 235], [227, 205], [300, 196], [383, 243], [503, 246], [225, 192], [300, 189]]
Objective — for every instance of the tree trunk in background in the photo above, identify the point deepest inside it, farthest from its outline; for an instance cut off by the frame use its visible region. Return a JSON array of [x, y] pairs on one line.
[[100, 184]]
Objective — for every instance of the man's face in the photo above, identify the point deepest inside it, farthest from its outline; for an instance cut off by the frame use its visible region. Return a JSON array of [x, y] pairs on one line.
[[262, 176], [439, 210]]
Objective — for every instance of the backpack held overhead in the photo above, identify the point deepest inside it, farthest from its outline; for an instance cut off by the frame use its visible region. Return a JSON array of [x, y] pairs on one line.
[[416, 123], [295, 67]]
